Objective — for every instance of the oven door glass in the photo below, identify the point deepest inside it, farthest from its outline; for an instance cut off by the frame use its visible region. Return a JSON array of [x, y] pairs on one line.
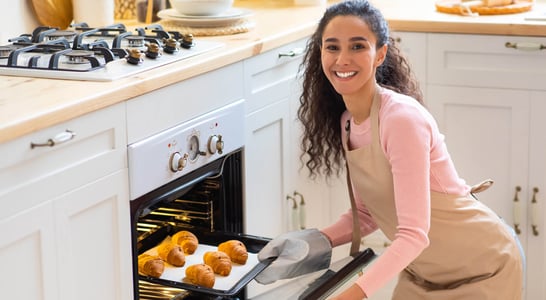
[[322, 284]]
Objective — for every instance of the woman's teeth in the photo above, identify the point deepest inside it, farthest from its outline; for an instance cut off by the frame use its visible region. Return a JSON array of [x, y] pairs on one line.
[[345, 74]]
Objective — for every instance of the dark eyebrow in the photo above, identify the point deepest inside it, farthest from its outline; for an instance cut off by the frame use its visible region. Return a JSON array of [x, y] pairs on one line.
[[353, 39]]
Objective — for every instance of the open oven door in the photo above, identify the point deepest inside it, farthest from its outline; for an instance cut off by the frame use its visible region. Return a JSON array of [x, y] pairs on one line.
[[325, 283]]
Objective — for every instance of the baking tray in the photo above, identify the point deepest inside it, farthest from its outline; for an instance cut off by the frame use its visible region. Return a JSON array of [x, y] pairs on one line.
[[228, 286]]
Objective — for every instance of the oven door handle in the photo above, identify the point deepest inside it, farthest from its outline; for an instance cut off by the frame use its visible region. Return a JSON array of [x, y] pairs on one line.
[[327, 283]]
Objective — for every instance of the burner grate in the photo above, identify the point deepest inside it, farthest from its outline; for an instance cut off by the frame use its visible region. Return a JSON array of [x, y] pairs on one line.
[[47, 51]]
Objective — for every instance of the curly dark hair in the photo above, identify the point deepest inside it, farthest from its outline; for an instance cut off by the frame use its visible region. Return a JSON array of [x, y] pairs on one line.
[[321, 106]]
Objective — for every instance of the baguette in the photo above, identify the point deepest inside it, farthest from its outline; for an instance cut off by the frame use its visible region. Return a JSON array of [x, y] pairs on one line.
[[200, 274], [218, 261], [236, 251]]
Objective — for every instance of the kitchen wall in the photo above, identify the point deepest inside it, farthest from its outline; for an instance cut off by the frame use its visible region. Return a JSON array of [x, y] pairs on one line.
[[16, 17]]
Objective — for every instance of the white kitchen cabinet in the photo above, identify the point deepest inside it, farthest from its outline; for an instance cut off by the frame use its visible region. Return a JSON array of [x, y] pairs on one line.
[[266, 164], [489, 102], [414, 47], [272, 148], [93, 242], [65, 222]]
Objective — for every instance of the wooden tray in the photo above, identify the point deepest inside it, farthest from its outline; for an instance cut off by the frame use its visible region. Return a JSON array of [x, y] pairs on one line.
[[456, 7]]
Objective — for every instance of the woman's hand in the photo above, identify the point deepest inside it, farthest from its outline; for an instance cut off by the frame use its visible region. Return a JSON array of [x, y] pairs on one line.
[[352, 293]]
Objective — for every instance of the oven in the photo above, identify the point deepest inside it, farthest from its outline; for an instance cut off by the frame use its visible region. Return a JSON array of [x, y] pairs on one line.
[[190, 177]]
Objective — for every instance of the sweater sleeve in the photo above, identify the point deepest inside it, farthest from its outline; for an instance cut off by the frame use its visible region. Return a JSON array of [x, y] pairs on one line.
[[341, 232], [407, 139]]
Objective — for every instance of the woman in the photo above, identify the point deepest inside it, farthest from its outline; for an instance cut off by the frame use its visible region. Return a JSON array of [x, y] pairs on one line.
[[360, 104]]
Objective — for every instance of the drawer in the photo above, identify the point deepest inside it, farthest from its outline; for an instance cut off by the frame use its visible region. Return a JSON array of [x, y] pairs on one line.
[[164, 108], [270, 76], [486, 61], [31, 175]]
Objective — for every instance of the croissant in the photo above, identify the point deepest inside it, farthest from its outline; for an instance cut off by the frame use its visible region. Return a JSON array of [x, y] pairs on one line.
[[218, 261], [200, 274], [171, 253], [187, 240], [150, 265], [236, 251]]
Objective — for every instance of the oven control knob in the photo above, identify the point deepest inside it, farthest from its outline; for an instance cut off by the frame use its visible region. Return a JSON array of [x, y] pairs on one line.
[[216, 144], [178, 161]]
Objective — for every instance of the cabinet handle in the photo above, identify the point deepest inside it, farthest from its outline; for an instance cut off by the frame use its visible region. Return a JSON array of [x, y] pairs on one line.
[[60, 138], [302, 213], [291, 53], [525, 46], [293, 212], [534, 212], [517, 210]]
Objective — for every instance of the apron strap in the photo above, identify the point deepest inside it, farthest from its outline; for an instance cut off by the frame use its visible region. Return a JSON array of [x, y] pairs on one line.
[[355, 243], [480, 187]]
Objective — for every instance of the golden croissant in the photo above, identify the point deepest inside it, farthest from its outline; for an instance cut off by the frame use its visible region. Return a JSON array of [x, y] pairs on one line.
[[171, 253], [218, 261], [187, 240], [236, 251], [200, 274], [150, 265]]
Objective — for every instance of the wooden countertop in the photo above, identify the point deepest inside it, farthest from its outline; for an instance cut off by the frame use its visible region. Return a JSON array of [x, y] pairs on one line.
[[30, 104]]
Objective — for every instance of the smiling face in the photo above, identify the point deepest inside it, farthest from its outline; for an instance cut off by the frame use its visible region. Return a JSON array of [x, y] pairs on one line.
[[349, 56]]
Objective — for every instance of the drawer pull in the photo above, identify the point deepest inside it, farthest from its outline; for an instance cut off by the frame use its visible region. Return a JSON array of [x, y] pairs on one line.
[[517, 210], [293, 213], [525, 46], [291, 53], [302, 215], [60, 138], [534, 212]]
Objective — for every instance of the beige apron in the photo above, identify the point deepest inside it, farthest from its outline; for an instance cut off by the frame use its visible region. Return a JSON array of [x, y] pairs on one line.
[[472, 254]]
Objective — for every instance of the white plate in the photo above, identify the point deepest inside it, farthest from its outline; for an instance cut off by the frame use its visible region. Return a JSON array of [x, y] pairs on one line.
[[227, 18]]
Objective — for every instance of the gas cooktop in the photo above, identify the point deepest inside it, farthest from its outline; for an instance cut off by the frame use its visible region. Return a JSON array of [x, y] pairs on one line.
[[96, 54]]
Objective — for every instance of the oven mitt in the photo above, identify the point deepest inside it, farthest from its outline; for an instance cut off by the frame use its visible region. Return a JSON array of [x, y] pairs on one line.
[[297, 252]]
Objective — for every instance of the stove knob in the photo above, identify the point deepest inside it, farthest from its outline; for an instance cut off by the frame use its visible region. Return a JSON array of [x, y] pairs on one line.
[[178, 161], [216, 144], [135, 57], [170, 46]]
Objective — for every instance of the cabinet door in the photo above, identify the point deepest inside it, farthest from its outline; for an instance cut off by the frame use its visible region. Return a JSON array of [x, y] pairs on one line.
[[312, 195], [270, 85], [487, 136], [27, 254], [266, 165], [94, 243], [535, 198]]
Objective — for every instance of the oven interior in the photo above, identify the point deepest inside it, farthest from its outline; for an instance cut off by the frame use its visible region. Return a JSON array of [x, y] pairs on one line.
[[207, 202]]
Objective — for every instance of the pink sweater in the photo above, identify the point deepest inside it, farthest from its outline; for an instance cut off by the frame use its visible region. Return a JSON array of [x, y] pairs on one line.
[[420, 163]]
